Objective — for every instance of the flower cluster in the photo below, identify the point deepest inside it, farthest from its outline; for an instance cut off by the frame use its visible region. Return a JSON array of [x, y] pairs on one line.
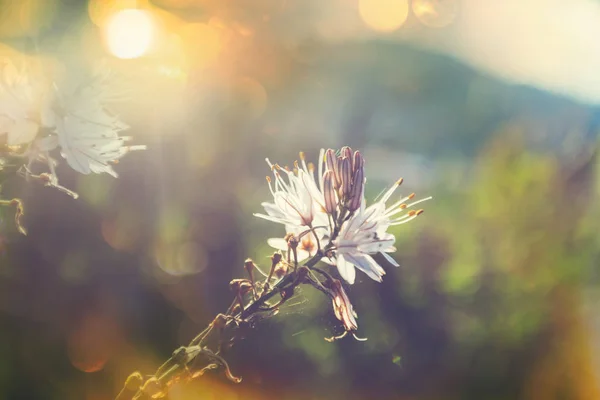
[[36, 118], [326, 218], [325, 213]]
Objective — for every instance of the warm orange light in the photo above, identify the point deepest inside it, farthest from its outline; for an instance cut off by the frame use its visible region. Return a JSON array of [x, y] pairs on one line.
[[129, 33], [201, 44], [101, 10], [383, 15]]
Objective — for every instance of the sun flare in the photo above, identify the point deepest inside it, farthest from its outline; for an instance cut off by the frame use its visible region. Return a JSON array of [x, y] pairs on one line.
[[129, 33]]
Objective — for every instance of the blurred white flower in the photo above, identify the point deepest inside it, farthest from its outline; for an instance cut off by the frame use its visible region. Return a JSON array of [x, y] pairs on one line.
[[365, 233], [18, 96], [86, 132]]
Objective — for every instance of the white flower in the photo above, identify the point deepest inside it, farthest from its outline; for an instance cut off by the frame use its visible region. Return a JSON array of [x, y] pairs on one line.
[[365, 233], [297, 200], [17, 106], [307, 245], [87, 133], [342, 307]]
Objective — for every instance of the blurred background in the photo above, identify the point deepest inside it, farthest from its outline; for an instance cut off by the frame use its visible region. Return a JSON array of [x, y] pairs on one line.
[[489, 106]]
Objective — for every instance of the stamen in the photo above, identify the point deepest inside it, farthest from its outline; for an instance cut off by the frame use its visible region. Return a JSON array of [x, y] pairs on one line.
[[270, 164], [391, 210], [334, 338], [390, 191], [304, 167], [405, 219], [420, 201], [359, 339], [137, 147]]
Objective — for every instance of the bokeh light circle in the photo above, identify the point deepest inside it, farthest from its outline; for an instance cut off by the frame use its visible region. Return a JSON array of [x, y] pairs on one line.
[[383, 15], [129, 33]]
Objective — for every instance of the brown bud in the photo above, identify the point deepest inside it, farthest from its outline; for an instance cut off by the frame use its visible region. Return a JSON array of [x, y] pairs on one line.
[[329, 193], [249, 265], [220, 321], [338, 174], [356, 195], [346, 152], [342, 306], [346, 175], [358, 162], [240, 285], [280, 270], [276, 258], [292, 241], [331, 161]]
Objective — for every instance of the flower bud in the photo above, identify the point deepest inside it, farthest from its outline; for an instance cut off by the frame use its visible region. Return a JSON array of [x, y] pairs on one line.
[[220, 321], [338, 175], [346, 152], [342, 307], [249, 265], [358, 162], [331, 160], [275, 258], [329, 193], [346, 175], [280, 270], [356, 195], [240, 285]]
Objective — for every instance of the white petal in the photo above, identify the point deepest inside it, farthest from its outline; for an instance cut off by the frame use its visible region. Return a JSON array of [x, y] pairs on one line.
[[346, 269], [278, 243], [367, 265], [390, 259], [22, 131], [269, 218], [302, 254], [328, 260]]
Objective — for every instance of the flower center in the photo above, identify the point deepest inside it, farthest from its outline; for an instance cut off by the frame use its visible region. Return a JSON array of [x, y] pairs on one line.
[[308, 245]]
